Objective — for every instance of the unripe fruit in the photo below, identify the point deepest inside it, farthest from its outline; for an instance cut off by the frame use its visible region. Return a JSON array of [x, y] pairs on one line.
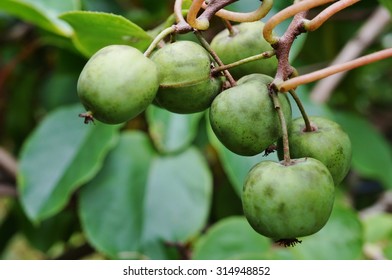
[[117, 83], [327, 142], [285, 202], [185, 82], [244, 118], [246, 41]]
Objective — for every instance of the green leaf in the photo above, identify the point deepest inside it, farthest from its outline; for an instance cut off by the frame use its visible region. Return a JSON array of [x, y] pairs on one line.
[[60, 155], [372, 155], [43, 13], [111, 205], [340, 239], [95, 30], [138, 199], [172, 132], [230, 238], [178, 196], [236, 166]]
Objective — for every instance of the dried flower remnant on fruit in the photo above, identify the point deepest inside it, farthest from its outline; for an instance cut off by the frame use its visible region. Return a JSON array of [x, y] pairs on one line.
[[271, 149], [291, 242], [88, 117]]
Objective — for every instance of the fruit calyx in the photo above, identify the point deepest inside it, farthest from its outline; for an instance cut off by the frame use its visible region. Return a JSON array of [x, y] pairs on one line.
[[289, 242], [88, 117]]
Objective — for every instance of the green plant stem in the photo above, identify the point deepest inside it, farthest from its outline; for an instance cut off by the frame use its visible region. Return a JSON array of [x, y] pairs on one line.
[[308, 127], [162, 35], [283, 124], [207, 46], [263, 55]]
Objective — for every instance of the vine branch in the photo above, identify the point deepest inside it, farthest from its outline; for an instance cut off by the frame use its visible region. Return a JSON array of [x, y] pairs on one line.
[[317, 21], [368, 32], [320, 74], [258, 14], [295, 9]]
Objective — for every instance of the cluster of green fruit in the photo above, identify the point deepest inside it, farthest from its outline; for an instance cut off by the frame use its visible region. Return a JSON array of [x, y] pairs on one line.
[[119, 82], [281, 200]]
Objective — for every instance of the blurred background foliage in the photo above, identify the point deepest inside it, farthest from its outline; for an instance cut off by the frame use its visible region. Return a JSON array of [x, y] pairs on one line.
[[162, 186]]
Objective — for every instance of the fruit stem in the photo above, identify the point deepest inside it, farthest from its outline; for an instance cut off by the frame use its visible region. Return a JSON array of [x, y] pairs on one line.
[[207, 46], [162, 35], [283, 124], [320, 74], [264, 55], [308, 127], [229, 27]]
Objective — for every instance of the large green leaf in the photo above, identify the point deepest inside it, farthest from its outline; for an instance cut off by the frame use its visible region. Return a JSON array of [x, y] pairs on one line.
[[60, 155], [172, 132], [139, 199], [340, 239], [372, 155], [230, 238], [178, 196], [236, 166], [111, 205], [43, 13], [95, 30]]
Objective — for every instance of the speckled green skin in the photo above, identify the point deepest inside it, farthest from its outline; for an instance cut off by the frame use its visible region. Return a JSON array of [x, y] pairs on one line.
[[117, 83], [328, 143], [247, 41], [186, 85], [286, 202], [244, 118]]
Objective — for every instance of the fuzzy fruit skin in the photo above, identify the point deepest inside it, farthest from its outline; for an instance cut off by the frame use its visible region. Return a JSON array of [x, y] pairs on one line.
[[185, 83], [246, 42], [328, 143], [117, 83], [244, 118], [286, 202]]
